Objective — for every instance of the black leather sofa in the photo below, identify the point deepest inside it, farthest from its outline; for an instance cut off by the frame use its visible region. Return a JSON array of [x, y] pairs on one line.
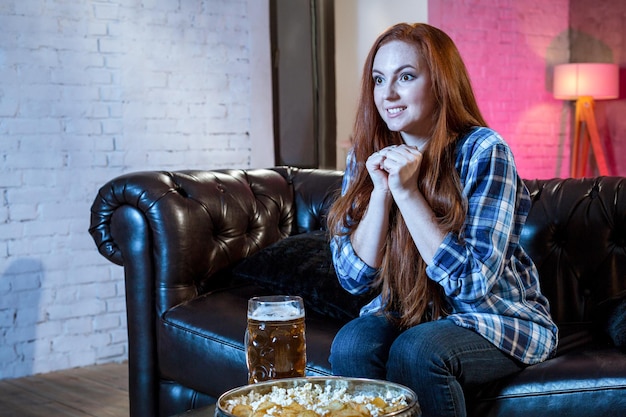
[[195, 245]]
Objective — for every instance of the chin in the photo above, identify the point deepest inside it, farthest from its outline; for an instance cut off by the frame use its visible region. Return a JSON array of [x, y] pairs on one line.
[[394, 127]]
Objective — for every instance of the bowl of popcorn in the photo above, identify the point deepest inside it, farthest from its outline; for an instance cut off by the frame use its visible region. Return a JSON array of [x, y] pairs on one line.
[[319, 397]]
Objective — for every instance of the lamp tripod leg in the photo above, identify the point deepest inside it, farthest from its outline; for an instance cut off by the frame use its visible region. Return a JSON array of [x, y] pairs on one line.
[[576, 143], [586, 134], [592, 131]]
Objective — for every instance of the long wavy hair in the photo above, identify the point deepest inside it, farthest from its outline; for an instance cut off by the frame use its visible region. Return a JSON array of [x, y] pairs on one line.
[[402, 278]]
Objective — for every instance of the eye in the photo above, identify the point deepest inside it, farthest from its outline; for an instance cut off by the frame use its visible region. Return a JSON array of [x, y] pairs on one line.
[[378, 80], [406, 77]]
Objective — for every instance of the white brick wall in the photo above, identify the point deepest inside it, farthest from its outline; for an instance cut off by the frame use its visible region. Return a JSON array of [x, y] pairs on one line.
[[91, 89]]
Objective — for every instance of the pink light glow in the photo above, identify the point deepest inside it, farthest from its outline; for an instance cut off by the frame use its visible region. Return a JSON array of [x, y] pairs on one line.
[[600, 81]]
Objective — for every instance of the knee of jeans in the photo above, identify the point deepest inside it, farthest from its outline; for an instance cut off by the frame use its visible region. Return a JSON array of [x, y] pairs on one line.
[[410, 349], [347, 347], [345, 357], [362, 346]]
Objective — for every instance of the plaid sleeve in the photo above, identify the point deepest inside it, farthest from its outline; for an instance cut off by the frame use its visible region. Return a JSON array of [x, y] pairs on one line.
[[467, 266], [354, 275]]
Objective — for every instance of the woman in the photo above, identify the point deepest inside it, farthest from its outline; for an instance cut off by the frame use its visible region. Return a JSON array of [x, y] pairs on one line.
[[431, 212]]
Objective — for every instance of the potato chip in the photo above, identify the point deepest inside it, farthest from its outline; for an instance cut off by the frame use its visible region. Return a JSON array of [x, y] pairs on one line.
[[242, 410]]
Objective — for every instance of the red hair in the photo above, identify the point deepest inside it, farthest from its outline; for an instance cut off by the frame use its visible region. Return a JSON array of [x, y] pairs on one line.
[[402, 274]]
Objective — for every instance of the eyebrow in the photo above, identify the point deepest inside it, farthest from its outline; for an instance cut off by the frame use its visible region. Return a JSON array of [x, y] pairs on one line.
[[402, 68]]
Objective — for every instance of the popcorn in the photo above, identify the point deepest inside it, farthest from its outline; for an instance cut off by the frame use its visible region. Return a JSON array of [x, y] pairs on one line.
[[314, 400]]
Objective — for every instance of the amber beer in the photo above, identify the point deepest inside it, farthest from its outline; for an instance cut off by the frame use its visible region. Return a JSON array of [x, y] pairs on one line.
[[275, 338]]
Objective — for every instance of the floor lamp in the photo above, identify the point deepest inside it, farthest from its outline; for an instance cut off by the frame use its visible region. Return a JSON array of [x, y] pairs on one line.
[[585, 83]]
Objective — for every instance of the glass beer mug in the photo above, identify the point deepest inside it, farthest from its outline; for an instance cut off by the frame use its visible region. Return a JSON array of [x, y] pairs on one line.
[[275, 342]]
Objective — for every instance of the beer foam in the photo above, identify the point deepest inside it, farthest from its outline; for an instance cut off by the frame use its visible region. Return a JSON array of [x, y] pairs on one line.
[[276, 312]]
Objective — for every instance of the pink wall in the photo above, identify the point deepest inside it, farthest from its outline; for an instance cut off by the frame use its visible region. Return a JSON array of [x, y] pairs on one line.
[[599, 35], [510, 48]]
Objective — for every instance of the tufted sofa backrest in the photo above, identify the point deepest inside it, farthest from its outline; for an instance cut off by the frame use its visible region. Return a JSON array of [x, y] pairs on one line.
[[314, 192], [576, 235]]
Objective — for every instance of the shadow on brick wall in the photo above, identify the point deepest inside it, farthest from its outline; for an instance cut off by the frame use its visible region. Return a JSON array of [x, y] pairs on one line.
[[20, 293]]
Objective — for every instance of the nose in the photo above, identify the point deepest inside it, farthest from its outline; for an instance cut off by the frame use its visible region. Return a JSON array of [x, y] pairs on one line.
[[390, 92]]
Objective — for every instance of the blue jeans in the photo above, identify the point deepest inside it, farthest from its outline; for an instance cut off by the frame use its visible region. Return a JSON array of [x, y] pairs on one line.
[[434, 359]]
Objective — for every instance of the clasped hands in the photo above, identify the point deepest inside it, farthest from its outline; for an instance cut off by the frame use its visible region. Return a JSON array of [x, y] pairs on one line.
[[395, 168]]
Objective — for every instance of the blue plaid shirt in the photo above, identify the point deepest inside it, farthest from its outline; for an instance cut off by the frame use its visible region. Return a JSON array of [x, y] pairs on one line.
[[490, 283]]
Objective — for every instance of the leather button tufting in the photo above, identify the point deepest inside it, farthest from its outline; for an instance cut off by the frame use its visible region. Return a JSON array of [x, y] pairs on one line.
[[560, 237], [180, 190]]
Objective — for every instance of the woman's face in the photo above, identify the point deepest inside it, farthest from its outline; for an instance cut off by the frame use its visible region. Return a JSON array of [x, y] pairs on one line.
[[402, 92]]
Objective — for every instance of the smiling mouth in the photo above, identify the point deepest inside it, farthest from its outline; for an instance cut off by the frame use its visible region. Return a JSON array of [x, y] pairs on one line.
[[395, 110]]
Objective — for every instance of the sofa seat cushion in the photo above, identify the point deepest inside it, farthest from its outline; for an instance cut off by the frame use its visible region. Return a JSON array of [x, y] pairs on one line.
[[589, 381], [204, 337]]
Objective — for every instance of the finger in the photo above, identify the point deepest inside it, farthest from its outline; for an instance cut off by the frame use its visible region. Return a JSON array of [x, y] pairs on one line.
[[375, 162], [391, 164], [375, 158]]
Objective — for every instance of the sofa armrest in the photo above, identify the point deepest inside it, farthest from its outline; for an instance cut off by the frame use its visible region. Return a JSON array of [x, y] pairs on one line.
[[196, 223], [173, 232]]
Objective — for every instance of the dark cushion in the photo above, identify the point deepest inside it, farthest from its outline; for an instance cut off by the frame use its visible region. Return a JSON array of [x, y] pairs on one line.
[[609, 321], [616, 325], [302, 265]]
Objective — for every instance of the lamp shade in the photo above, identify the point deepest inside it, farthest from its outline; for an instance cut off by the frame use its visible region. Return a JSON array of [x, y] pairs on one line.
[[600, 81]]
